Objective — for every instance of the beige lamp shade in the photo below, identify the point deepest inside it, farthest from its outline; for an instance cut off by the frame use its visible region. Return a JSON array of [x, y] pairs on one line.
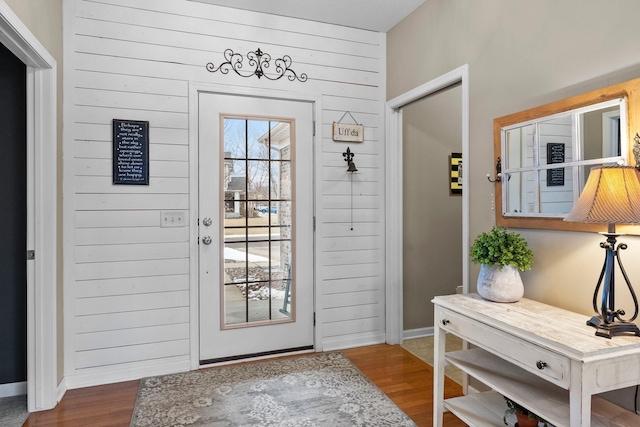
[[611, 195]]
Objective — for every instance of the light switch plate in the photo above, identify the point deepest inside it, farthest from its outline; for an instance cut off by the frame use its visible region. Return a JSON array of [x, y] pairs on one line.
[[173, 219]]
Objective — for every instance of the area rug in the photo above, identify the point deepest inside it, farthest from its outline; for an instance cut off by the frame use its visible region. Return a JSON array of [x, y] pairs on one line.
[[13, 411], [323, 389]]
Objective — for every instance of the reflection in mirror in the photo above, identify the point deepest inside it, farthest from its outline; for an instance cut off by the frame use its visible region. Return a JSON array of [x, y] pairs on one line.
[[548, 192], [547, 160], [520, 188], [557, 191], [601, 133], [537, 163]]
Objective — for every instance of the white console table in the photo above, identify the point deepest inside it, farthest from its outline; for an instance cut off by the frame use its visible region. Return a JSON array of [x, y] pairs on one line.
[[543, 357]]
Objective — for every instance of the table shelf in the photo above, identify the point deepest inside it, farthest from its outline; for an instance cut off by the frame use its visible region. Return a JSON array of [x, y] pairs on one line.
[[559, 381], [531, 391], [484, 409]]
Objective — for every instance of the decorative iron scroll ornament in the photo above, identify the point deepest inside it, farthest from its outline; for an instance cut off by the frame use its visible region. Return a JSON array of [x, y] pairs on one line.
[[260, 61]]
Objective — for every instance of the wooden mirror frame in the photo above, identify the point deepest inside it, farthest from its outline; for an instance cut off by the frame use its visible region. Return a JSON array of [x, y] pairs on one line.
[[629, 90]]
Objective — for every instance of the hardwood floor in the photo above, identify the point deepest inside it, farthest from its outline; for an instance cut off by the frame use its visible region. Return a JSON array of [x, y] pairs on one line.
[[407, 380], [100, 406]]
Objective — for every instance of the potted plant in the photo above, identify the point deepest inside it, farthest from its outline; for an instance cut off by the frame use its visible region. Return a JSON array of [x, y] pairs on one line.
[[525, 417], [502, 255]]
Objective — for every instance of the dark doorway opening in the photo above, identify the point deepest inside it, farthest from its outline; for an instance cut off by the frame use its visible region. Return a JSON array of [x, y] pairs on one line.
[[13, 219]]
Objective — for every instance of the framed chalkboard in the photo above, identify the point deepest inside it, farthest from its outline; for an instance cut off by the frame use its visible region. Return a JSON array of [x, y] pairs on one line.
[[555, 154], [130, 152]]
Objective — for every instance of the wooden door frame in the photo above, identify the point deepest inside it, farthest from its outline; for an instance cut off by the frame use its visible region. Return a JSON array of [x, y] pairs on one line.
[[393, 191], [195, 89], [41, 208]]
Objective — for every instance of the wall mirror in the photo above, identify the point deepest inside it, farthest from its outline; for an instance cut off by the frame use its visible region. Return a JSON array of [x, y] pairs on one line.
[[546, 154]]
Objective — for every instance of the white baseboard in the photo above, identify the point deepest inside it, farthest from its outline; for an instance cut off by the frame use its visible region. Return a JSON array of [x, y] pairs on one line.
[[332, 344], [110, 376], [62, 389], [417, 333], [13, 389]]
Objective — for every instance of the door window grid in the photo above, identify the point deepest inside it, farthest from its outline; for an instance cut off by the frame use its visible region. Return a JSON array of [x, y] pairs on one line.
[[257, 226]]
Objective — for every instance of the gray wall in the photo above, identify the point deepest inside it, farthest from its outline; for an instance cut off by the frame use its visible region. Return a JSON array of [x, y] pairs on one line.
[[432, 217], [513, 67], [522, 55]]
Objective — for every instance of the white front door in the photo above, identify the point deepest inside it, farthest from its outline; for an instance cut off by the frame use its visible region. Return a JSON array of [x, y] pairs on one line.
[[255, 226]]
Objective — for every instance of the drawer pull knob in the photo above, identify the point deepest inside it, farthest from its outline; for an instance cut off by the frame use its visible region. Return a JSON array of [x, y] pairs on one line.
[[541, 365], [445, 322]]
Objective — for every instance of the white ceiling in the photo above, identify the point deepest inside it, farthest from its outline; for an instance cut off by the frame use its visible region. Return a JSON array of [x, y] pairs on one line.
[[375, 15]]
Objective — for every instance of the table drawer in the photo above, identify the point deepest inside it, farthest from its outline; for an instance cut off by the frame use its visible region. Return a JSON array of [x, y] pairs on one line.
[[539, 361]]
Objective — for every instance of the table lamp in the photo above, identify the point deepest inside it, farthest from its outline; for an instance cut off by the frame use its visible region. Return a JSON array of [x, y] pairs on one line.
[[612, 196]]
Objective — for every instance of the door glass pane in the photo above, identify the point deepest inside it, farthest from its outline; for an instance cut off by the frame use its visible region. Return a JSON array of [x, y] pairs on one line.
[[280, 270], [282, 134], [283, 219], [234, 138], [258, 143], [235, 309], [258, 225], [257, 172], [234, 211]]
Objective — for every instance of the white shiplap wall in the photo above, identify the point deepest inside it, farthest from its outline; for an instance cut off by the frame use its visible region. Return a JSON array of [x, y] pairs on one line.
[[127, 280]]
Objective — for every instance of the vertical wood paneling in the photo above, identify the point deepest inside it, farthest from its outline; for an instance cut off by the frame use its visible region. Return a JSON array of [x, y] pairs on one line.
[[134, 59]]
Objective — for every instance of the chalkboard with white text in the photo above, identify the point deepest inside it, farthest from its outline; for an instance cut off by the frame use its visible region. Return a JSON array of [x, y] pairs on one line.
[[130, 152], [555, 154]]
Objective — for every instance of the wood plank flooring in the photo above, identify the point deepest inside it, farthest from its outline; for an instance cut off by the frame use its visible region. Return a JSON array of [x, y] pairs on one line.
[[406, 379]]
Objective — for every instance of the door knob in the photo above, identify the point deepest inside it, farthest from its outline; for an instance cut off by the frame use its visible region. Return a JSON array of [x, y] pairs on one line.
[[207, 222], [206, 240]]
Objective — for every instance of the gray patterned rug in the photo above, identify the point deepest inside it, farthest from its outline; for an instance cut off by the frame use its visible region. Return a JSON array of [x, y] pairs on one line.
[[13, 411], [323, 389]]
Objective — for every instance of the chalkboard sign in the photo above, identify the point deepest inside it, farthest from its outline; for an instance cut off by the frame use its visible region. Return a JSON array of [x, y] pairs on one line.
[[555, 154], [130, 152]]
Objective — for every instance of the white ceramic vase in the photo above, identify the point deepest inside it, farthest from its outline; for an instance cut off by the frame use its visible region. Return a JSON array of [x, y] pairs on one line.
[[500, 285]]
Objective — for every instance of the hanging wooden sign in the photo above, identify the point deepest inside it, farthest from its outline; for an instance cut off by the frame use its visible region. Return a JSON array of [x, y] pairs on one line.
[[347, 132]]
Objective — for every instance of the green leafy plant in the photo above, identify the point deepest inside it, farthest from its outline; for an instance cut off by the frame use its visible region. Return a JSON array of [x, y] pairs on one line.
[[500, 247], [514, 408]]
